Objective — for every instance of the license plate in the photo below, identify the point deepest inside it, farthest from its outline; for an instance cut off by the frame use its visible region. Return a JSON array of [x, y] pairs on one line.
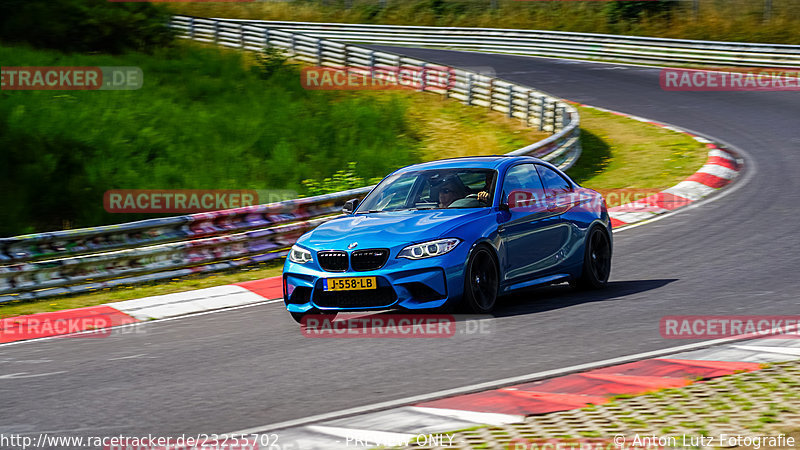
[[349, 284]]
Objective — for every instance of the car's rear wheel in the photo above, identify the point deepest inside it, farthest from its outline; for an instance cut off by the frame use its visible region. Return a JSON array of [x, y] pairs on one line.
[[482, 281], [596, 261], [298, 317]]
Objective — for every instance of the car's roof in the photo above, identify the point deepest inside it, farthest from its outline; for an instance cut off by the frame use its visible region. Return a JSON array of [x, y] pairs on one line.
[[469, 162]]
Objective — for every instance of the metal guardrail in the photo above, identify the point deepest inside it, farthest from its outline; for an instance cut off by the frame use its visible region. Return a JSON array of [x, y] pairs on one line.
[[91, 259], [591, 46]]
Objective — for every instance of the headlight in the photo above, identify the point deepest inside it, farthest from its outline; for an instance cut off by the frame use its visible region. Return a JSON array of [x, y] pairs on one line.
[[299, 255], [428, 249]]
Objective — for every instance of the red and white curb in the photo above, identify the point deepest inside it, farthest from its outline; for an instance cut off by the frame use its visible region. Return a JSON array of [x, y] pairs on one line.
[[191, 302], [719, 170], [109, 315]]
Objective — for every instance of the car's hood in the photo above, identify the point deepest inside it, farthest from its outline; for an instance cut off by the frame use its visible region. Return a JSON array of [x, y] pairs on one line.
[[387, 229]]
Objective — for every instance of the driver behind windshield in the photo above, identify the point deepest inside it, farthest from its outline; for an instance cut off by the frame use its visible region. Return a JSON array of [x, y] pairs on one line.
[[451, 189]]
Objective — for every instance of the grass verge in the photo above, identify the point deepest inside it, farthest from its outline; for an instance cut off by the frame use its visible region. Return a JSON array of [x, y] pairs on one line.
[[236, 121], [212, 111], [617, 153], [621, 153]]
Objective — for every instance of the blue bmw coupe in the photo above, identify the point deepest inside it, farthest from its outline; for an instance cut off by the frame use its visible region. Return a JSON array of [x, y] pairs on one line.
[[453, 233]]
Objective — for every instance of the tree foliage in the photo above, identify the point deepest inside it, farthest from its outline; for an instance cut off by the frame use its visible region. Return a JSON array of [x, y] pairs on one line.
[[85, 25], [633, 11]]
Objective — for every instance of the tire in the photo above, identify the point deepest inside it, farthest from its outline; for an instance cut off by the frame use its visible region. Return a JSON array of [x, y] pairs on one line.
[[596, 261], [481, 282], [298, 317]]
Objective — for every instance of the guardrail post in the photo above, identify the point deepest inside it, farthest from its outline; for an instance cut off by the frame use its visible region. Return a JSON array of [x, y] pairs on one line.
[[422, 74], [191, 28], [216, 31], [469, 89], [528, 109], [557, 117], [561, 117], [266, 38], [397, 69], [450, 82], [372, 66], [491, 92], [292, 45], [241, 36], [319, 52], [510, 100], [552, 110], [542, 112]]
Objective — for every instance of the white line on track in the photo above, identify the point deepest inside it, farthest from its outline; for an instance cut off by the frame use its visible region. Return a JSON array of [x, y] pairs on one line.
[[128, 357], [767, 349], [16, 376]]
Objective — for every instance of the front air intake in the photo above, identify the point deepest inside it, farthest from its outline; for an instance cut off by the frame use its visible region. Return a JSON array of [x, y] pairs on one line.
[[333, 261], [372, 259]]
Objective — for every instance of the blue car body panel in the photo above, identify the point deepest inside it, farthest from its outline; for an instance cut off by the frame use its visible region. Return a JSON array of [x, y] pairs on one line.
[[531, 248]]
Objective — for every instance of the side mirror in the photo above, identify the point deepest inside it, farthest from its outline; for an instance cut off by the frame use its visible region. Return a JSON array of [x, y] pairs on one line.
[[504, 207], [350, 206]]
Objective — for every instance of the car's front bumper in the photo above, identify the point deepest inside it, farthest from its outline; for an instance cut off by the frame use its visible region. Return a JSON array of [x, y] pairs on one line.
[[402, 284]]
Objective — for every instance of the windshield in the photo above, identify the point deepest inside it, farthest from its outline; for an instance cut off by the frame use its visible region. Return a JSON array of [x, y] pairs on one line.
[[432, 189]]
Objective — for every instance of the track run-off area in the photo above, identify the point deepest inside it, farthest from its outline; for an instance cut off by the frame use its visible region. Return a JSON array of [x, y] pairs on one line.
[[733, 254]]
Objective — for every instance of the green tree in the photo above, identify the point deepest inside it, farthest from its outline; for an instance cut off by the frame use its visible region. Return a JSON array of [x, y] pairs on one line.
[[85, 25]]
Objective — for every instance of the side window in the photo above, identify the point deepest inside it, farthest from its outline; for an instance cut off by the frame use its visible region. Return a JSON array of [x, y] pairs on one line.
[[554, 183], [522, 186]]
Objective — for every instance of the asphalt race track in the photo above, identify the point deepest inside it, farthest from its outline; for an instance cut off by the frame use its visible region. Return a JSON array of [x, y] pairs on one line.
[[239, 369]]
